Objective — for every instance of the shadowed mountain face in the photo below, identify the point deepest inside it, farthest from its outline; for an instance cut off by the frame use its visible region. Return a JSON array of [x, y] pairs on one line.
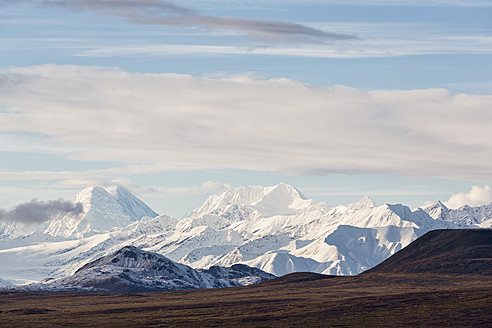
[[463, 251], [238, 274], [132, 270]]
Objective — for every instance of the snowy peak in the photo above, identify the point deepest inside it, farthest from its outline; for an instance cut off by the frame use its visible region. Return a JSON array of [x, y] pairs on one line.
[[116, 196], [275, 200], [287, 191], [437, 206], [104, 209], [131, 205], [437, 210], [364, 202]]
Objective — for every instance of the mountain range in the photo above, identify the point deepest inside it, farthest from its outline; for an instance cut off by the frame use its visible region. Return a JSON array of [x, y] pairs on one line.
[[275, 229]]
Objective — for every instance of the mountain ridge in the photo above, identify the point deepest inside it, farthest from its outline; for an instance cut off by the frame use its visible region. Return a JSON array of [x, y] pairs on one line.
[[463, 216], [132, 270], [236, 227]]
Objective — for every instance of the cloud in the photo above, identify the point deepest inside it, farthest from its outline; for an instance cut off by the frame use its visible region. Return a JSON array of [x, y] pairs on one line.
[[180, 122], [37, 211], [162, 12], [476, 197], [209, 188]]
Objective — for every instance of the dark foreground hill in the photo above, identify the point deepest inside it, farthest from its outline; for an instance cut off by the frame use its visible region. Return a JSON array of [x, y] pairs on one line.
[[460, 251]]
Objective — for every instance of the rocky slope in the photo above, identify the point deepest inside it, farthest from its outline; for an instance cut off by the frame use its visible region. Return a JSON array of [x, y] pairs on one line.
[[131, 270]]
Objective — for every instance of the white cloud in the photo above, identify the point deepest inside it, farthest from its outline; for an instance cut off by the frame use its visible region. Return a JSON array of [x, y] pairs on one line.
[[181, 122], [477, 196], [209, 188]]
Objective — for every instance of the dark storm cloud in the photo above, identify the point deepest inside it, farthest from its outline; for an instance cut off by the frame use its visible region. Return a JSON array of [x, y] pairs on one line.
[[37, 211], [161, 12]]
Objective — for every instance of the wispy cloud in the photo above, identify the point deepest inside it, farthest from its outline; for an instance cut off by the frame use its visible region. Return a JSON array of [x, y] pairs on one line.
[[180, 122], [37, 211], [162, 12], [376, 40]]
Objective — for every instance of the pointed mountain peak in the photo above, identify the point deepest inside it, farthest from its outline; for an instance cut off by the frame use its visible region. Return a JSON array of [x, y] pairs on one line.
[[279, 199], [434, 206], [437, 210], [117, 189], [104, 209], [287, 189], [364, 202], [86, 194], [440, 204]]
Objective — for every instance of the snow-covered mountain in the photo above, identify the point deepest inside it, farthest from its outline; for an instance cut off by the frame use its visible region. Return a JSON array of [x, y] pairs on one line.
[[132, 270], [480, 216], [103, 210], [300, 235], [275, 229]]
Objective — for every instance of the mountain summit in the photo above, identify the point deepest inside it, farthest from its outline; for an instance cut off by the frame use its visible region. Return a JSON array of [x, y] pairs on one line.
[[104, 209], [277, 200]]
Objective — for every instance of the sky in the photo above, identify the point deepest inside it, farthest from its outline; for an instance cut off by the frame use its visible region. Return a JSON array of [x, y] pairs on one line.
[[181, 100]]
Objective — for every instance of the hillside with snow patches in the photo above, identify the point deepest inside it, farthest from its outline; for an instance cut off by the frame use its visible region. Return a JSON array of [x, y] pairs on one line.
[[275, 229], [131, 270]]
